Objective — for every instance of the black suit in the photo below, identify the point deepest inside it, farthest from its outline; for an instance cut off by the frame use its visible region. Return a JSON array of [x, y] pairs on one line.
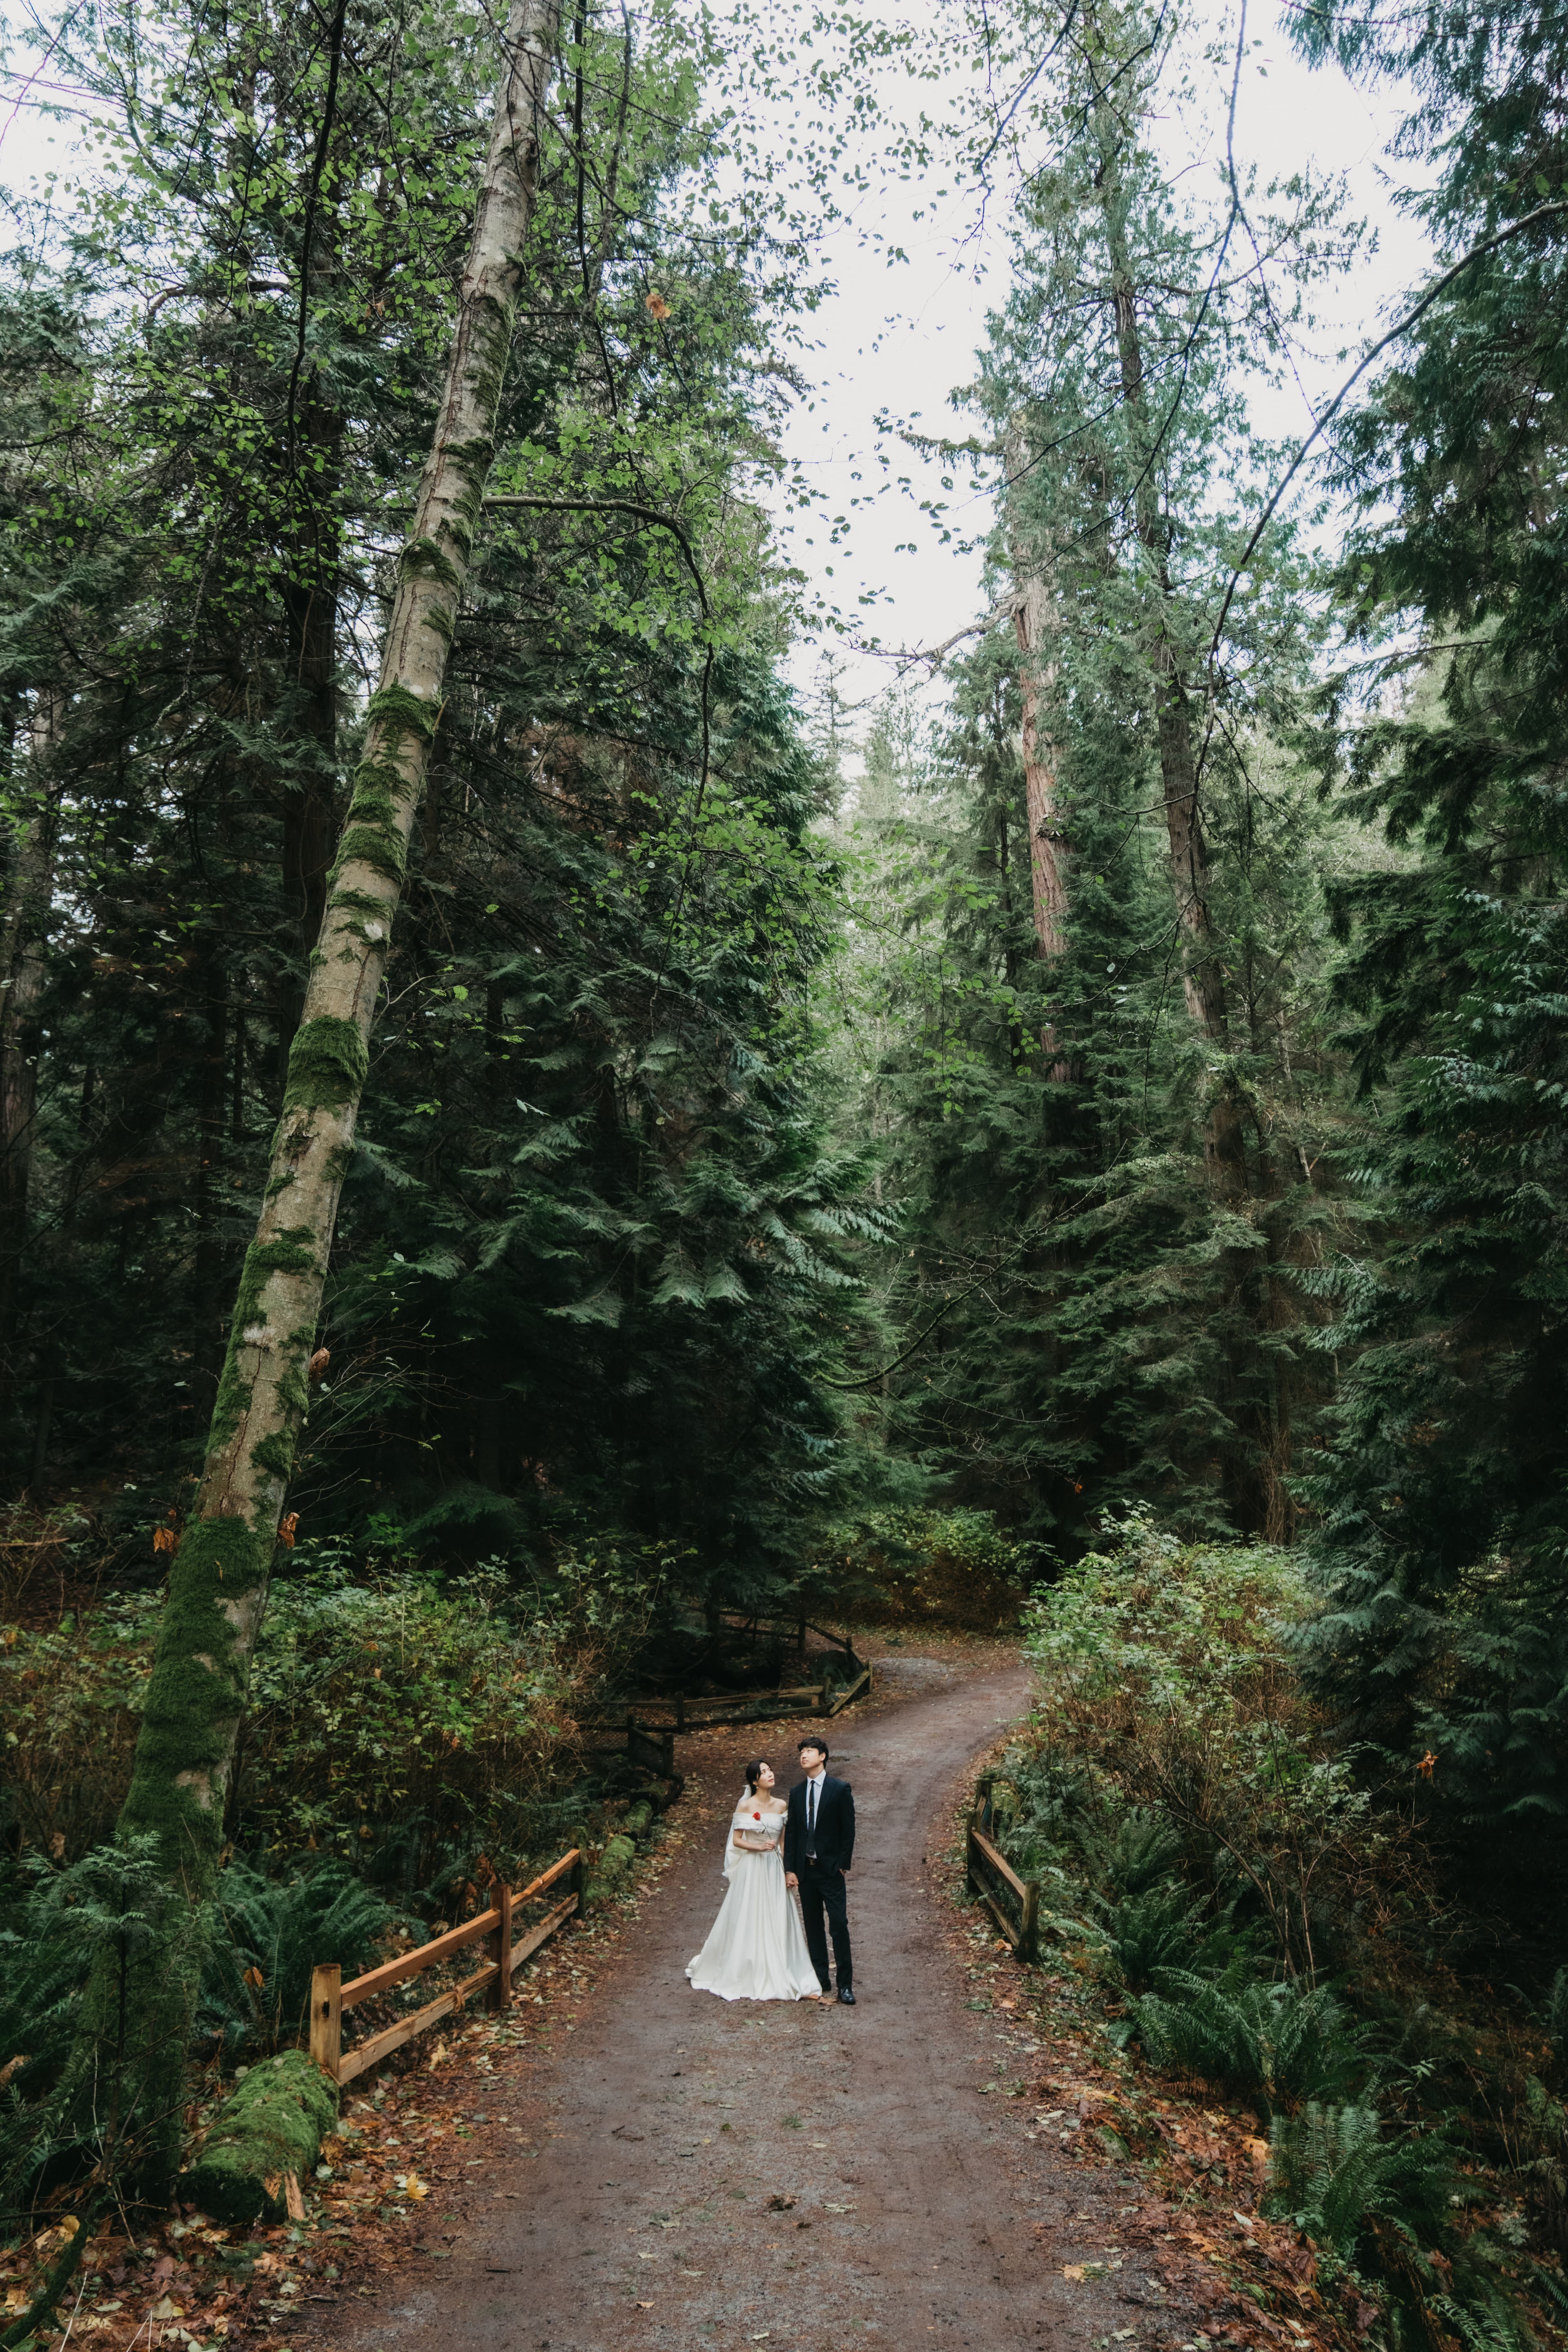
[[819, 1857]]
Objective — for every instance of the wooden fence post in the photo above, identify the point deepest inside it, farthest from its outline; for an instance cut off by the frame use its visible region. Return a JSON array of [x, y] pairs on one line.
[[327, 2017], [500, 1991], [680, 1711], [1029, 1926], [577, 1883]]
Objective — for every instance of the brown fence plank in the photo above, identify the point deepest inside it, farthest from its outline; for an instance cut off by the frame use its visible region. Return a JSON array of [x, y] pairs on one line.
[[392, 2037], [423, 1956], [851, 1691], [545, 1929], [1003, 1868], [999, 1916], [547, 1877]]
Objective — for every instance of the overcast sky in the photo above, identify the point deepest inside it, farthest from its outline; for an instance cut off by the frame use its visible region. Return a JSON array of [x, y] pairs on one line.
[[900, 340]]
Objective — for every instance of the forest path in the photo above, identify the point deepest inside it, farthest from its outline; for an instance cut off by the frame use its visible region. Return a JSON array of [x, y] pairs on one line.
[[663, 2127]]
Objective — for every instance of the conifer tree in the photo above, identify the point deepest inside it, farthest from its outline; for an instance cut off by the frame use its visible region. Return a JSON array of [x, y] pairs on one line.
[[218, 1584], [1442, 1496]]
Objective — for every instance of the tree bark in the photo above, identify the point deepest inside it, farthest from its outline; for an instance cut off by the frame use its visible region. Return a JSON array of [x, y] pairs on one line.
[[1037, 626], [1202, 977], [22, 975], [219, 1583]]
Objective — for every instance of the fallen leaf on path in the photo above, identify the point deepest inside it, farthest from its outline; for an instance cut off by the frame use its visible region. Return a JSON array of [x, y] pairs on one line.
[[780, 2204]]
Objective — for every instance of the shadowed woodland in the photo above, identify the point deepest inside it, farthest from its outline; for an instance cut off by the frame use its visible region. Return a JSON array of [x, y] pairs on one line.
[[531, 1142]]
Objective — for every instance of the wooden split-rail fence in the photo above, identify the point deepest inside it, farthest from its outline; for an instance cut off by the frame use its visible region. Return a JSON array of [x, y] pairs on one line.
[[1012, 1902], [653, 1743], [331, 1998]]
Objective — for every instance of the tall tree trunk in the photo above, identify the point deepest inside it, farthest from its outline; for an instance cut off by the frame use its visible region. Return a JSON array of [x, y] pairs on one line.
[[207, 1304], [217, 1587], [1203, 979], [310, 589], [1037, 626], [22, 977]]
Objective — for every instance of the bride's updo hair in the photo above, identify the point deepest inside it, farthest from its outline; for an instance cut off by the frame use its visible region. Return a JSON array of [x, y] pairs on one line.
[[753, 1772]]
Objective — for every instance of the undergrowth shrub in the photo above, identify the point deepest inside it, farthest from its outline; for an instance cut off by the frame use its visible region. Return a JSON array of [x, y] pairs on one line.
[[911, 1567], [1166, 1673], [1273, 2044], [1260, 1917], [270, 1935], [1384, 2204], [392, 1711]]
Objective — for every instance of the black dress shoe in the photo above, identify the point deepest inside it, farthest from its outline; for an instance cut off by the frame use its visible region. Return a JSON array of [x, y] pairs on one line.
[[847, 1996]]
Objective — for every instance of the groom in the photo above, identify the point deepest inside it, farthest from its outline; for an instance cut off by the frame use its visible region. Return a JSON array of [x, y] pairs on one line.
[[818, 1848]]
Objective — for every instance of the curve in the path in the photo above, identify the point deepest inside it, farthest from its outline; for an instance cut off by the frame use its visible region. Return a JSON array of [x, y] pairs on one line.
[[918, 2218]]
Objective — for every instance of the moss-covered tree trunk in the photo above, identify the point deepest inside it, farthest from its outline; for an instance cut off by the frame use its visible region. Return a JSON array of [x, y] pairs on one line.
[[22, 977], [217, 1587]]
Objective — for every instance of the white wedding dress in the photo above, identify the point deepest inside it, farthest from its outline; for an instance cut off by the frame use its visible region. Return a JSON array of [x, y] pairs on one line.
[[757, 1950]]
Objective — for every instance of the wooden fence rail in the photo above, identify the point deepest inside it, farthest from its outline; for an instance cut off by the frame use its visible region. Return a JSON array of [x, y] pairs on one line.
[[330, 1996], [1012, 1902], [653, 1743]]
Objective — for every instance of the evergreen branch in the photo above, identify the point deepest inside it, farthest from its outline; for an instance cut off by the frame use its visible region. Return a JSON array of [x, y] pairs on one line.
[[1439, 287], [312, 200], [985, 1275], [660, 522]]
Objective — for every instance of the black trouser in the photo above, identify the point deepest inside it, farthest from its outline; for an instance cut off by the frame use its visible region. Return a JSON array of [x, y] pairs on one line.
[[823, 1890]]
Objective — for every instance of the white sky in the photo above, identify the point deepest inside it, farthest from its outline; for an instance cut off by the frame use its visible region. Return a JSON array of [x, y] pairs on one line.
[[900, 339]]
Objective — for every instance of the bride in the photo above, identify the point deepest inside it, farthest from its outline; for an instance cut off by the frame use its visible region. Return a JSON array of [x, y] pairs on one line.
[[757, 1950]]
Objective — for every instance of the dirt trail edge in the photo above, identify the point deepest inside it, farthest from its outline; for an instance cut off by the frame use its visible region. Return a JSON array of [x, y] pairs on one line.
[[665, 2128]]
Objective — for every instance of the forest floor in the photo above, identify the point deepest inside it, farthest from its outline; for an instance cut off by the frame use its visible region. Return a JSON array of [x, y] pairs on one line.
[[620, 2162], [661, 2170]]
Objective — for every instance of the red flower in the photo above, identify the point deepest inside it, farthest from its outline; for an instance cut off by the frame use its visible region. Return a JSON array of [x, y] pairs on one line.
[[756, 1817]]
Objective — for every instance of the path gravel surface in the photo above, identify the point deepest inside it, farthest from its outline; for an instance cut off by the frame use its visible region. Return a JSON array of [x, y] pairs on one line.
[[800, 2176]]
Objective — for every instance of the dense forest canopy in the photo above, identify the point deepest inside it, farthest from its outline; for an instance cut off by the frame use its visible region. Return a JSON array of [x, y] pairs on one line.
[[753, 1152]]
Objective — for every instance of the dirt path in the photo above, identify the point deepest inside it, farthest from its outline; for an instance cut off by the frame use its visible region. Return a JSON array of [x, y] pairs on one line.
[[671, 2122]]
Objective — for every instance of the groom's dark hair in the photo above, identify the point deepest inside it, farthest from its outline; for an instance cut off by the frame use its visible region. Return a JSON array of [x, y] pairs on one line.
[[820, 1745]]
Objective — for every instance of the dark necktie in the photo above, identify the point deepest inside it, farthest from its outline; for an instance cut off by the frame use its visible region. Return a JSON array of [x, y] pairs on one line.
[[811, 1818]]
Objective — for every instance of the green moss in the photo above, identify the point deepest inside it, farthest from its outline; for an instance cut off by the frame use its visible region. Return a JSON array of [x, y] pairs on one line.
[[272, 2125], [327, 1063], [275, 1455], [423, 560], [439, 619], [395, 709], [196, 1691], [384, 852], [291, 1251]]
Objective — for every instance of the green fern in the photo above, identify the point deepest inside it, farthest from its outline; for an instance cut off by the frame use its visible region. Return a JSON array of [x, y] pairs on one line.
[[1153, 1931], [271, 1936], [1385, 2207], [1273, 2044]]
